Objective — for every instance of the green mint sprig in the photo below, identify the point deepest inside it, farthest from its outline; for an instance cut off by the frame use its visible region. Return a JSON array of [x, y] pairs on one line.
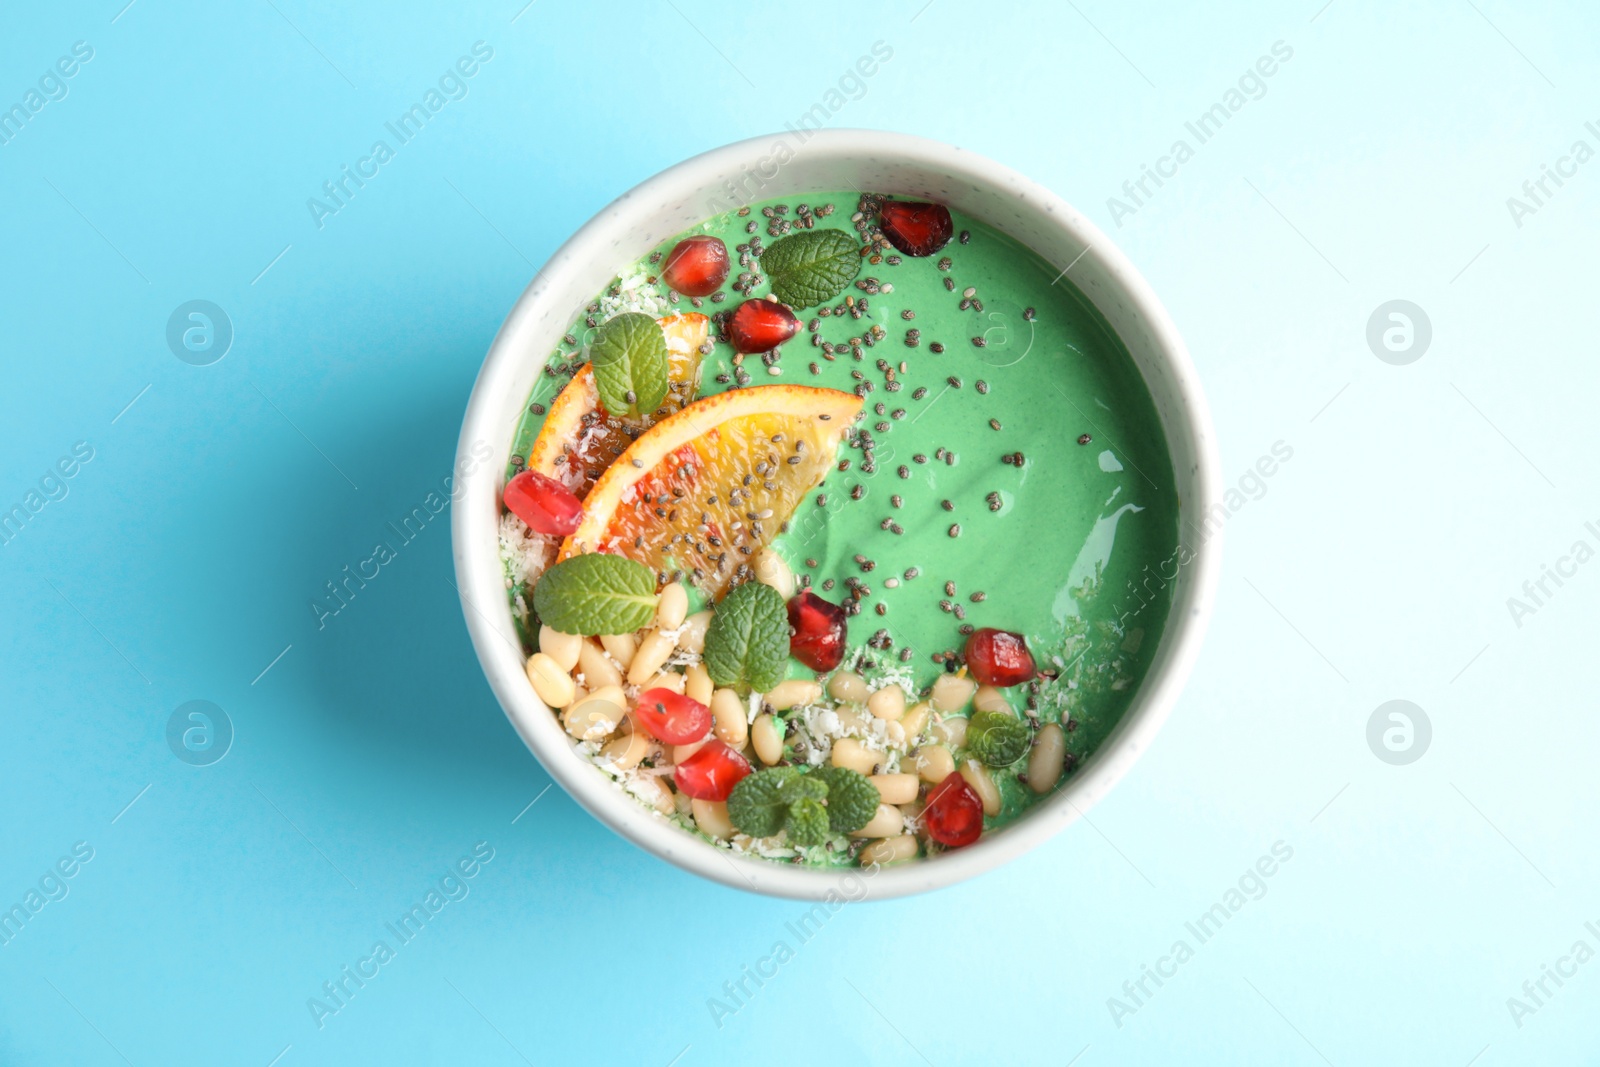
[[629, 356], [997, 739], [594, 594], [810, 804], [812, 266], [747, 643]]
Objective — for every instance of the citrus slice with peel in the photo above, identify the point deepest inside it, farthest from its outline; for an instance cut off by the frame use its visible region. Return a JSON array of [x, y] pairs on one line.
[[703, 490], [579, 439]]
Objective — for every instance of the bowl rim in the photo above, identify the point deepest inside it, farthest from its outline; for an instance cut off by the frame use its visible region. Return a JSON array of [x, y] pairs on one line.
[[480, 580]]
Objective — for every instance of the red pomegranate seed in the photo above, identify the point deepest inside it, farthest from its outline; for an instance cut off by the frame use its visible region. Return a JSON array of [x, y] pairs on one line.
[[914, 228], [818, 631], [696, 266], [761, 326], [712, 772], [999, 657], [954, 815], [672, 717], [547, 506]]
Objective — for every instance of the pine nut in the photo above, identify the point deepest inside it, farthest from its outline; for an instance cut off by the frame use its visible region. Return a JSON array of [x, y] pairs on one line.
[[595, 718], [978, 777], [888, 822], [596, 667], [896, 735], [951, 693], [553, 684], [771, 569], [888, 702], [850, 722], [896, 788], [728, 719], [693, 637], [672, 608], [712, 818], [848, 686], [683, 752], [952, 732], [767, 737], [697, 683], [625, 752], [652, 655], [786, 695], [670, 680], [659, 796], [988, 698], [915, 720], [887, 850], [579, 695], [1045, 761], [563, 648], [934, 763], [848, 752], [620, 647], [682, 802]]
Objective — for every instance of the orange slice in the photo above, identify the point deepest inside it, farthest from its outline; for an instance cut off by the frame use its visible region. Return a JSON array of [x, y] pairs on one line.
[[579, 440], [702, 491]]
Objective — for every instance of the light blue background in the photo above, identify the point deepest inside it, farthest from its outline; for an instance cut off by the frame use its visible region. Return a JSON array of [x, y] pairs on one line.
[[1376, 565]]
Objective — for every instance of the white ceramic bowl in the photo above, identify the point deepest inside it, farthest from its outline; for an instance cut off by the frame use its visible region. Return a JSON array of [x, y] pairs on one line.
[[781, 165]]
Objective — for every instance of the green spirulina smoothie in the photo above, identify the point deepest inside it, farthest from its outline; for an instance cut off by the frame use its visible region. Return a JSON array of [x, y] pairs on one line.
[[1019, 478]]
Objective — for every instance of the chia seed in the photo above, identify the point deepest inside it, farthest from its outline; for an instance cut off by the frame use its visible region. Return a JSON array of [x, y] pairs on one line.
[[994, 424], [904, 471], [947, 505], [912, 572], [978, 342], [1027, 315], [916, 394], [936, 348], [537, 409], [981, 385], [955, 529], [966, 236], [1084, 439]]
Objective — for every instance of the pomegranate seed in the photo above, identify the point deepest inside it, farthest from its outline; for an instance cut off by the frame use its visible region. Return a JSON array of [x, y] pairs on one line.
[[696, 266], [672, 717], [713, 771], [547, 506], [954, 815], [761, 326], [999, 657], [914, 228], [818, 633]]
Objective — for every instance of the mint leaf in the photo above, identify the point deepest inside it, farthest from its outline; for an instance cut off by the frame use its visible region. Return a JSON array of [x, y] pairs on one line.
[[811, 266], [996, 738], [852, 799], [808, 822], [629, 356], [596, 594], [758, 805], [747, 644]]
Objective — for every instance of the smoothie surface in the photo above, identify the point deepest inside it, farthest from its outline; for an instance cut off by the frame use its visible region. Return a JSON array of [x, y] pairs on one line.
[[1018, 476]]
